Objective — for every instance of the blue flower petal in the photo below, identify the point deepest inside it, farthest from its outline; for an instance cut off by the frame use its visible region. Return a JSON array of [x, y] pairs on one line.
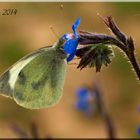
[[71, 43], [70, 46], [75, 25], [71, 56]]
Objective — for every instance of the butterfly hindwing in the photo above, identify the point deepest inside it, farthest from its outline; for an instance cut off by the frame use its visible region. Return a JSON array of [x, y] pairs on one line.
[[40, 83]]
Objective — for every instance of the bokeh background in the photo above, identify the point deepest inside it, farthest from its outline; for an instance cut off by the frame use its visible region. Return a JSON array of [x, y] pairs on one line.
[[29, 30]]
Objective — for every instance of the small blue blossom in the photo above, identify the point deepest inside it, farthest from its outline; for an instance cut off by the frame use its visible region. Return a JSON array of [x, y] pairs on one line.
[[82, 99], [85, 101], [71, 43], [138, 130]]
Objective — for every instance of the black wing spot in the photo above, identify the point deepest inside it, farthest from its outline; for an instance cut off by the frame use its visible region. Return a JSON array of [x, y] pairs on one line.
[[22, 78], [35, 85]]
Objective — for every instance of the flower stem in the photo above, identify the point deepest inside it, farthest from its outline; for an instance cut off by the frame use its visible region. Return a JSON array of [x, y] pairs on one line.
[[126, 44], [104, 113], [135, 64]]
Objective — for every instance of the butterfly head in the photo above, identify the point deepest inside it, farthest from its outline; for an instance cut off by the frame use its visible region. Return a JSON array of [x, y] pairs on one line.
[[71, 41]]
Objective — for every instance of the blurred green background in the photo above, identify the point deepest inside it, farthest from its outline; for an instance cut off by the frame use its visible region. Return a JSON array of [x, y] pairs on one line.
[[29, 30]]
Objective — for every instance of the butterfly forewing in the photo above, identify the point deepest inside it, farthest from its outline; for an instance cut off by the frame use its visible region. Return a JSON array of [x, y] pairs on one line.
[[40, 83]]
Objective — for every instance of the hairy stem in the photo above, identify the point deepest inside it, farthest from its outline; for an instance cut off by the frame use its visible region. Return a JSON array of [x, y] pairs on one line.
[[126, 44], [135, 64]]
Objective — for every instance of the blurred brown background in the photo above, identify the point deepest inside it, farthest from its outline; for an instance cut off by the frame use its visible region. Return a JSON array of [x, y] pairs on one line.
[[29, 30]]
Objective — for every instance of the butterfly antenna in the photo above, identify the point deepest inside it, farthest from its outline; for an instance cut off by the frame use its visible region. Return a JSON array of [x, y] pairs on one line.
[[61, 6], [53, 31]]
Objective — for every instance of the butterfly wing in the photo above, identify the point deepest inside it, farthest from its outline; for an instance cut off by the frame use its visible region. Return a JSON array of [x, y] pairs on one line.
[[40, 82], [37, 80], [7, 79]]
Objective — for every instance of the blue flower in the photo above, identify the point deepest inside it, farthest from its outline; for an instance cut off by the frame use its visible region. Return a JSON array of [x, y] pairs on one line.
[[86, 101], [82, 99], [71, 43], [138, 130]]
